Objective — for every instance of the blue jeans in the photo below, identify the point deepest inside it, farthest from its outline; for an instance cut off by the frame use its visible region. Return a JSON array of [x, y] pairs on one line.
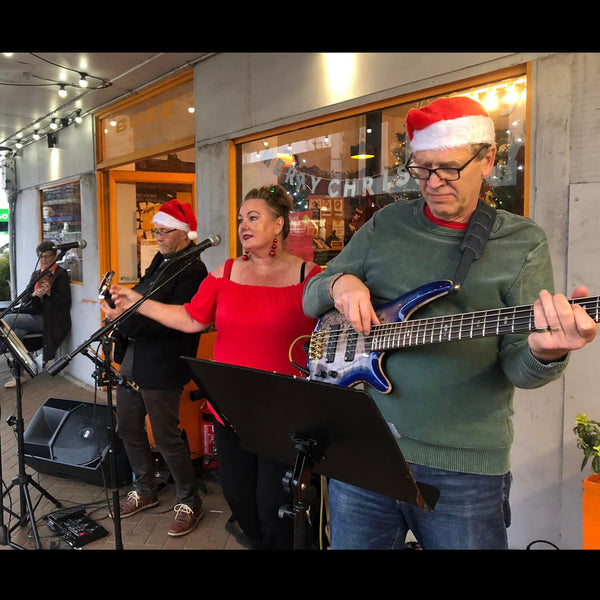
[[472, 513], [24, 323]]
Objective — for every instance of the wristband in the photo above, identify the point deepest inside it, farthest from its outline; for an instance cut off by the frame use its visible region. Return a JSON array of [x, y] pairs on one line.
[[334, 281]]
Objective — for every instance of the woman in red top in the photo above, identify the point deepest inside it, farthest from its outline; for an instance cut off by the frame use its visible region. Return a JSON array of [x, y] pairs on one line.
[[255, 303]]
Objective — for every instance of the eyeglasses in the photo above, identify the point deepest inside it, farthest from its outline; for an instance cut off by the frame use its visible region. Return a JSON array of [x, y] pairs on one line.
[[443, 173], [161, 232]]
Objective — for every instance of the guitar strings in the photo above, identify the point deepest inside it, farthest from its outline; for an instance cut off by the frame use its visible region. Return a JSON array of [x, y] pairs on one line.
[[437, 329]]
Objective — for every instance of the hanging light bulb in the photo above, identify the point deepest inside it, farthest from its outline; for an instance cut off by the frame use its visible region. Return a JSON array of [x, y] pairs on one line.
[[53, 124], [62, 92], [490, 102], [82, 80], [511, 96], [78, 118]]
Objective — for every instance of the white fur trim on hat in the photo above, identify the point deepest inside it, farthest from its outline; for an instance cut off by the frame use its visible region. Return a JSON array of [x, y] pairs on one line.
[[162, 218], [473, 129]]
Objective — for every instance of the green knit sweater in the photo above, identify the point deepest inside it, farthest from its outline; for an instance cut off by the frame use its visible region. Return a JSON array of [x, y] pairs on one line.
[[451, 403]]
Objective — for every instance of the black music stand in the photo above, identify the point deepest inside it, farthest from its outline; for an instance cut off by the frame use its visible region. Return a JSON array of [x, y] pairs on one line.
[[318, 427], [21, 360]]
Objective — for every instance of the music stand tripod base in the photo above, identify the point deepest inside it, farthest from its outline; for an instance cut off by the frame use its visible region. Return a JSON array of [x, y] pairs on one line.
[[21, 359]]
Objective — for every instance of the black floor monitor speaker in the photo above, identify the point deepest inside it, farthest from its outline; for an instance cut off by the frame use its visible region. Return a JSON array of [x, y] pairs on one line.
[[70, 438]]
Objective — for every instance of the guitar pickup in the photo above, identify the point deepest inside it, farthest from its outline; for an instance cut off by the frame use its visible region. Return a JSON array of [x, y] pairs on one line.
[[351, 346], [334, 334]]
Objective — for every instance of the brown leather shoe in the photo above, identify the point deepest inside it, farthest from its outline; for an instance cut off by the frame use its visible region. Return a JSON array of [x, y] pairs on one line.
[[186, 519], [134, 503]]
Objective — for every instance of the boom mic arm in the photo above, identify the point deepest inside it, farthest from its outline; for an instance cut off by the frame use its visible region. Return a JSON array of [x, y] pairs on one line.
[[213, 240], [60, 363]]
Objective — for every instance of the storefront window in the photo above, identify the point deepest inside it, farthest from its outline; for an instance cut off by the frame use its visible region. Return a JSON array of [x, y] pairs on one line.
[[341, 172], [61, 223], [147, 124]]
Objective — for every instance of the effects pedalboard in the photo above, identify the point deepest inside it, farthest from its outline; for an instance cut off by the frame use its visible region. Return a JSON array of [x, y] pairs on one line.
[[75, 527]]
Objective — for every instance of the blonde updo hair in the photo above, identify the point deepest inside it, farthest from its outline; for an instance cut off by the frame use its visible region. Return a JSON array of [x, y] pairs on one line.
[[279, 201]]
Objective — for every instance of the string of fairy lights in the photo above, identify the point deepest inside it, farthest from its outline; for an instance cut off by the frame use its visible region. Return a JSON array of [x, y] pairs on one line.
[[49, 124]]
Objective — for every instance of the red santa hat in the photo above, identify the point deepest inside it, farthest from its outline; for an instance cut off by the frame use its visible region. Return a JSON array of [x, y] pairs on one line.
[[448, 123], [177, 215]]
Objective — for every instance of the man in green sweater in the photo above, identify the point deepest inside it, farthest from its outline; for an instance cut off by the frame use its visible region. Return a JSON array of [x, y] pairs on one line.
[[450, 404]]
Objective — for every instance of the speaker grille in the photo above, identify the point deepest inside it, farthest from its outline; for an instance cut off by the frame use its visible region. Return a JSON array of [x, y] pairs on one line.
[[71, 438], [83, 436]]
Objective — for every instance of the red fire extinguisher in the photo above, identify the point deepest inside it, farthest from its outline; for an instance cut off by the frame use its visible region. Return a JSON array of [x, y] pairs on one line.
[[209, 446]]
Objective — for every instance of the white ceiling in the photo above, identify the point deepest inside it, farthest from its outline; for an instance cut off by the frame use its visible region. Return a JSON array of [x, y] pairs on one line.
[[29, 84]]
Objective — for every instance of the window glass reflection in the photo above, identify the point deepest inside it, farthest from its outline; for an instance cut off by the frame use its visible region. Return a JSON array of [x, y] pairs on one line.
[[340, 173], [61, 223]]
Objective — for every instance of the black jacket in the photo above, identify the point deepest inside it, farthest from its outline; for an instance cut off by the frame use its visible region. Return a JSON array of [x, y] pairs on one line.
[[157, 350], [56, 310]]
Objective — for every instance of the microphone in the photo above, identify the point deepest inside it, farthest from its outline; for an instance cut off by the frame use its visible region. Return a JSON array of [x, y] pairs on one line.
[[58, 365], [212, 240], [80, 244]]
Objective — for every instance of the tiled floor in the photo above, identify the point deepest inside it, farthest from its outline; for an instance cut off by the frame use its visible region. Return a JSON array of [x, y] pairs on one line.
[[145, 530]]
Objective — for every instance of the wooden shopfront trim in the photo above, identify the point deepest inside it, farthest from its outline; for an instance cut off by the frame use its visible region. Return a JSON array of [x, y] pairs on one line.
[[117, 176]]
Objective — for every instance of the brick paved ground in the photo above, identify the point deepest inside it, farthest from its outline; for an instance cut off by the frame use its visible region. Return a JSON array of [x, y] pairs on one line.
[[146, 530]]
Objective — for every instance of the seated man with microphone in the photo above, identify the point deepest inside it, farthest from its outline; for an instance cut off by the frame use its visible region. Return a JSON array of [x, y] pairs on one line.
[[46, 309]]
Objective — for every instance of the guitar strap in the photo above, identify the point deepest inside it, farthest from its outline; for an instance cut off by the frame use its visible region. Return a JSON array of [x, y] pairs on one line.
[[474, 241]]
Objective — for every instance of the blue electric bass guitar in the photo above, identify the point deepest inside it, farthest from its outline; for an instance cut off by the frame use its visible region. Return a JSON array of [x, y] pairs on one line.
[[339, 355]]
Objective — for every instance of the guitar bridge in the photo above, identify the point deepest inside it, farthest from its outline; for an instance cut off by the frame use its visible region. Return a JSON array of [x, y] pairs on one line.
[[315, 349]]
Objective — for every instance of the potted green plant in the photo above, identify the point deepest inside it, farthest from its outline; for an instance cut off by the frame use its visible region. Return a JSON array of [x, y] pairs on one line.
[[588, 440]]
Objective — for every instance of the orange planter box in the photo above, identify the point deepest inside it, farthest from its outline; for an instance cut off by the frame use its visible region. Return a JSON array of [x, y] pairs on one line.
[[591, 512]]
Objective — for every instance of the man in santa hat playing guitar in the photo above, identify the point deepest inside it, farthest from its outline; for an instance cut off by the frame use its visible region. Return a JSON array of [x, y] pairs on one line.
[[450, 405]]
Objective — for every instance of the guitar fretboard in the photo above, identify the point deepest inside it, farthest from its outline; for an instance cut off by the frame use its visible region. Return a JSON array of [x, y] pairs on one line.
[[501, 321]]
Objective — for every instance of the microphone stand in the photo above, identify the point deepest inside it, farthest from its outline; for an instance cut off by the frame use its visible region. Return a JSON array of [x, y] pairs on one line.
[[102, 334], [23, 480]]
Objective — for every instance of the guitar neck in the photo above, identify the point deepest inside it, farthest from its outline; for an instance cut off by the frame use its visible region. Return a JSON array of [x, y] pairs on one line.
[[489, 323]]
